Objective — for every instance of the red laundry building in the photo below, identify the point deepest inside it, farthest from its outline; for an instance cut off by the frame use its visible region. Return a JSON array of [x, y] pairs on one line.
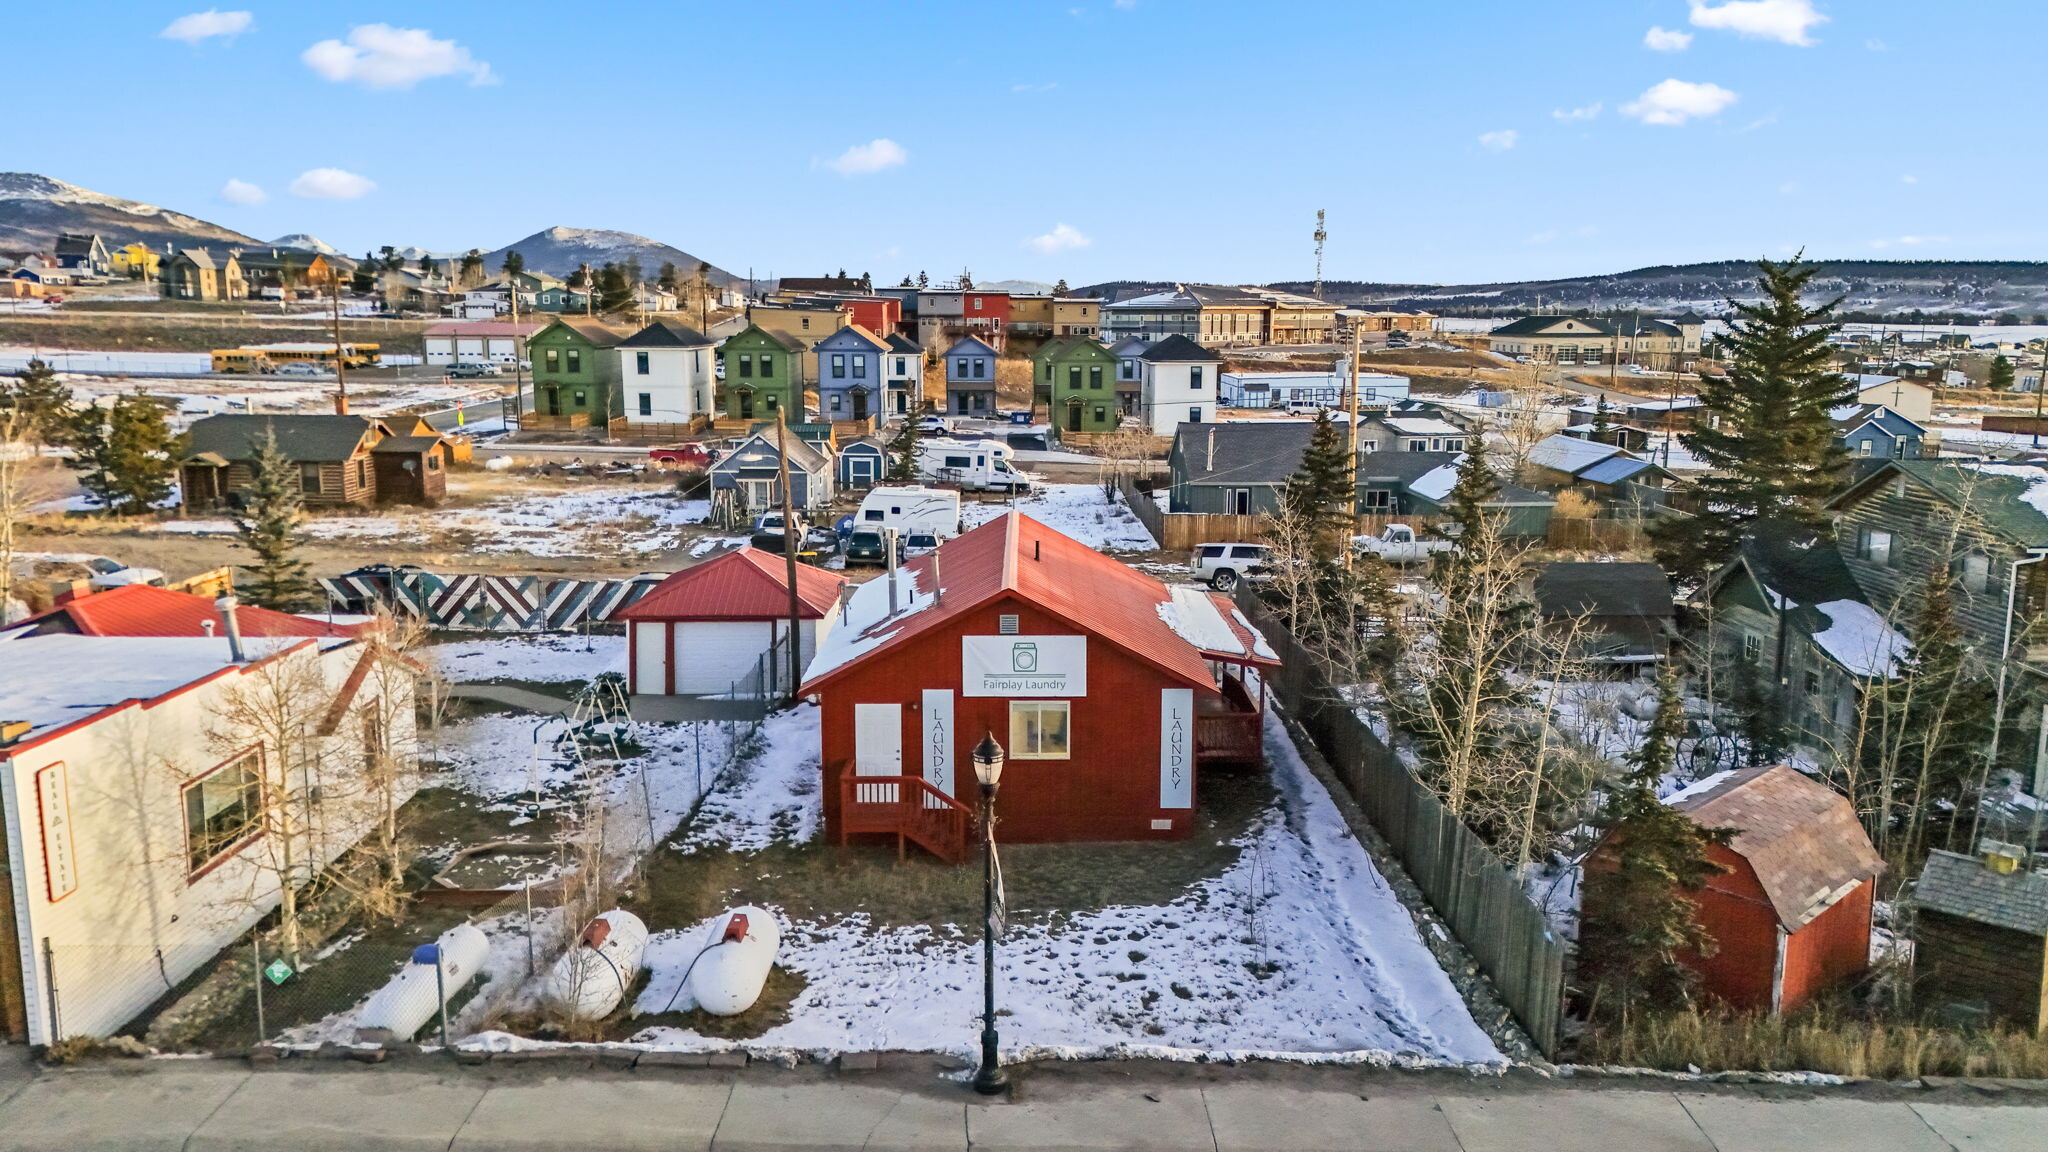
[[1107, 690], [1791, 914]]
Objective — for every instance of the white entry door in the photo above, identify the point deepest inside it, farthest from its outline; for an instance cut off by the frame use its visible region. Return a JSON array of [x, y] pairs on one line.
[[877, 749], [650, 657]]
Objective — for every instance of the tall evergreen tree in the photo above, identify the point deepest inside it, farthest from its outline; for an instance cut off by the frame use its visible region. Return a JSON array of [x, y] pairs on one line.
[[364, 281], [923, 281], [126, 454], [1320, 492], [1475, 487], [1932, 729], [43, 401], [1769, 439], [1640, 915], [903, 446], [669, 279], [1060, 289], [617, 290], [268, 526], [1759, 721], [514, 264], [1600, 420], [2001, 374]]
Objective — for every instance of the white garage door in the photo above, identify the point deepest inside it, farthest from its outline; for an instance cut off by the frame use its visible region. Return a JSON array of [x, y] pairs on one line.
[[650, 648], [469, 348], [501, 348], [710, 657]]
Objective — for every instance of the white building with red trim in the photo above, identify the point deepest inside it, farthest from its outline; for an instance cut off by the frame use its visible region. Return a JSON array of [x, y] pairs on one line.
[[145, 815], [722, 627]]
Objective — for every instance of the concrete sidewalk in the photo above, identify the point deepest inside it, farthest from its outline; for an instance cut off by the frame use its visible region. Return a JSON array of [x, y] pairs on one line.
[[218, 1105]]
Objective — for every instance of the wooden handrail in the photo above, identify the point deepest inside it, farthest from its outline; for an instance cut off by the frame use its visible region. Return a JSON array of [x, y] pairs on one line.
[[914, 784]]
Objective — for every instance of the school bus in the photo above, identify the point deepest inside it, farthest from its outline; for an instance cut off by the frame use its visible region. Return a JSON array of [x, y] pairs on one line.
[[352, 355], [242, 360]]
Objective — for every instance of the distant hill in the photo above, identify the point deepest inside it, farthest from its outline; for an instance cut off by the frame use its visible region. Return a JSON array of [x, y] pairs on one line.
[[305, 243], [559, 250], [1963, 289], [34, 209]]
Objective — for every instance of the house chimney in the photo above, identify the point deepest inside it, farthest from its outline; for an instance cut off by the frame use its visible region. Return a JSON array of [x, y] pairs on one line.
[[226, 605]]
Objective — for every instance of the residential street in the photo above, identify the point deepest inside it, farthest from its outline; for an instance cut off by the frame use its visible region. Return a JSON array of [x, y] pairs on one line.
[[425, 1103]]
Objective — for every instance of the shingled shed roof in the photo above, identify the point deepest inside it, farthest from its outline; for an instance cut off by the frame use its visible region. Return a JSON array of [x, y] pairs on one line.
[[1963, 886], [1800, 836]]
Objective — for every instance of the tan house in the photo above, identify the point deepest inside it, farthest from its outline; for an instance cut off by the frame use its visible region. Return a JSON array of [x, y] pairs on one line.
[[1031, 315], [1374, 320], [1075, 315], [1593, 341], [196, 274], [805, 322]]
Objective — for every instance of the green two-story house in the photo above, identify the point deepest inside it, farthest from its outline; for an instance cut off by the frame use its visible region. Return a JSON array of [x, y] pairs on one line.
[[763, 372], [575, 374], [1078, 375]]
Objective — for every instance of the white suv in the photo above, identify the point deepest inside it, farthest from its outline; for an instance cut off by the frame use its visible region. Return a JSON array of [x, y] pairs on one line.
[[1223, 565]]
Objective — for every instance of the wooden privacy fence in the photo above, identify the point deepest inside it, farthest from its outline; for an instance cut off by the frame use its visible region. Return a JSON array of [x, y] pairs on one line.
[[1605, 535], [1480, 898], [1180, 531]]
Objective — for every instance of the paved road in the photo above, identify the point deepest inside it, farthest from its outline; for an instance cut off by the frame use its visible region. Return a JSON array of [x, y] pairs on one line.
[[223, 1105]]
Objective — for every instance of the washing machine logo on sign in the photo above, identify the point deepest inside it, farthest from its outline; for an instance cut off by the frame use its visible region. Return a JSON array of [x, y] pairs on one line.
[[1024, 656]]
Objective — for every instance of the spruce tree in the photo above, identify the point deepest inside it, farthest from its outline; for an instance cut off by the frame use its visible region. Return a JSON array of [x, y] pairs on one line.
[[1320, 492], [1060, 289], [268, 525], [1476, 486], [514, 264], [43, 401], [1935, 723], [126, 454], [364, 281], [903, 447], [2001, 374], [923, 281], [1640, 916], [1767, 437], [1600, 421]]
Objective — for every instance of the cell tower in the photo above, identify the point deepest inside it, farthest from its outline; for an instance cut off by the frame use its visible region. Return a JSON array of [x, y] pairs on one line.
[[1320, 237]]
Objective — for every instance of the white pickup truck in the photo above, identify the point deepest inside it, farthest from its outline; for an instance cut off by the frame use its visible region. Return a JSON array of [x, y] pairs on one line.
[[1398, 544]]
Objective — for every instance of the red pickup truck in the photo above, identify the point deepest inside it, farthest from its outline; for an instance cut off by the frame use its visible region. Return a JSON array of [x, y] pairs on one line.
[[683, 456]]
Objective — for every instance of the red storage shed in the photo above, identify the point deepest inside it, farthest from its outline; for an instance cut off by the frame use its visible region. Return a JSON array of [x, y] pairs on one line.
[[723, 626], [1791, 915], [1106, 689]]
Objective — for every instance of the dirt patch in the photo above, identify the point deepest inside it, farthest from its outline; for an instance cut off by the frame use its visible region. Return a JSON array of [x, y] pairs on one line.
[[144, 326]]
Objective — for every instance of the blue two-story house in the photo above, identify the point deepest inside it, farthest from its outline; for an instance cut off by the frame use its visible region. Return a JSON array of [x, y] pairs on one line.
[[851, 378], [970, 378], [1877, 432]]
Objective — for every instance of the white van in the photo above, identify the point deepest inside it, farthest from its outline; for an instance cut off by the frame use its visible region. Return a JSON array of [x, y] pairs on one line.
[[979, 465], [910, 508]]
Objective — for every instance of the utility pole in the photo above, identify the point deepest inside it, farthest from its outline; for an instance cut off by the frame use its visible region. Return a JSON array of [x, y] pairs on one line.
[[518, 357], [2040, 390], [789, 543], [340, 360], [1321, 235], [1351, 443]]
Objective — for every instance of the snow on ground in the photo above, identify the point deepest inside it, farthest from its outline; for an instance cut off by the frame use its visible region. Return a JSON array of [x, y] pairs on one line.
[[1076, 510], [546, 657], [1300, 947]]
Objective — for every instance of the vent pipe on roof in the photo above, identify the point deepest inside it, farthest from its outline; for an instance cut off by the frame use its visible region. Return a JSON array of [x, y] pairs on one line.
[[938, 586], [226, 605], [206, 626], [1212, 448]]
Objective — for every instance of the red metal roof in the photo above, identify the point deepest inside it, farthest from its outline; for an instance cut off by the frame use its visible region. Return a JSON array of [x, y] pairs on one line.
[[482, 328], [144, 610], [743, 585], [1020, 556]]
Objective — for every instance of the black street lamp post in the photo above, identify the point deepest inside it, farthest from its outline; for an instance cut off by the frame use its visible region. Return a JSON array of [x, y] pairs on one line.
[[988, 769]]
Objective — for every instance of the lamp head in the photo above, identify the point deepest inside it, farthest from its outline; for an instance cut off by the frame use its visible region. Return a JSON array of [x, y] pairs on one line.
[[988, 761]]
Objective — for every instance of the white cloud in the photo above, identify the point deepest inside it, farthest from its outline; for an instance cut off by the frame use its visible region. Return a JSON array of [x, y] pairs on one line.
[[206, 25], [242, 192], [1546, 236], [1909, 178], [1908, 241], [1062, 238], [1667, 40], [1587, 113], [380, 56], [1045, 87], [331, 184], [869, 158], [1499, 141], [1786, 21], [1674, 102]]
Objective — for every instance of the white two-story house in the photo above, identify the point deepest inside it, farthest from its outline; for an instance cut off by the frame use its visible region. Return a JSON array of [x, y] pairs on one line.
[[667, 374], [1177, 385]]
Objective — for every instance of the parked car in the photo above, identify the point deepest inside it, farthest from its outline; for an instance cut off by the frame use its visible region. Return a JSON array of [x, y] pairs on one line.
[[813, 541], [920, 544], [1305, 408], [1223, 565], [931, 424], [684, 456], [301, 368], [473, 371], [1398, 544], [114, 574], [871, 546]]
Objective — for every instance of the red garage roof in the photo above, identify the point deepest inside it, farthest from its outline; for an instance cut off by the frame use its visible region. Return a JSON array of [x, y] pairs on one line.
[[1020, 556], [743, 585], [143, 610]]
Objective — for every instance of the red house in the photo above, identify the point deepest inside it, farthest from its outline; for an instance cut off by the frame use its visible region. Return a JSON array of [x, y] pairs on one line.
[[875, 313], [1791, 915], [1107, 690], [145, 610]]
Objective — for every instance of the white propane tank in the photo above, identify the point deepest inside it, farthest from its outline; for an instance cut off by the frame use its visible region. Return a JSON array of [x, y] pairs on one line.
[[411, 999], [590, 980], [739, 948]]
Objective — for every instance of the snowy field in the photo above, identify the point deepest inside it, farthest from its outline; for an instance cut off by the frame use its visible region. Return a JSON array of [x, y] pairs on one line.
[[1298, 948], [548, 658], [1077, 510], [596, 521]]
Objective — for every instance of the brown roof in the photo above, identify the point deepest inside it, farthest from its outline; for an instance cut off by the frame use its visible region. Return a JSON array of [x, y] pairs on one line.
[[1800, 836]]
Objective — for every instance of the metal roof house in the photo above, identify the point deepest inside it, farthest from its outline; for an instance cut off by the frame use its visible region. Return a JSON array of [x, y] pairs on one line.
[[722, 627]]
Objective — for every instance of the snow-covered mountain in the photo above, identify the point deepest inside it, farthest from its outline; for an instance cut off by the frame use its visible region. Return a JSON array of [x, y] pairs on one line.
[[35, 208], [305, 243], [559, 250]]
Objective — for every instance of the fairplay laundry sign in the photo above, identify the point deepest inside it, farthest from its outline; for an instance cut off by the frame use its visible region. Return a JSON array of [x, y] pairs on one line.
[[1024, 665]]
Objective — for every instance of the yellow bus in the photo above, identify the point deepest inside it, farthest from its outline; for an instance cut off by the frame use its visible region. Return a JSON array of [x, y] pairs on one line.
[[352, 355], [242, 360]]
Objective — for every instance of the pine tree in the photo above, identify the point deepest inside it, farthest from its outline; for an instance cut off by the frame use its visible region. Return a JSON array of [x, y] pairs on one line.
[[1600, 421], [472, 267], [392, 261], [867, 282], [1933, 727], [923, 281], [514, 264], [1060, 289], [364, 281], [903, 446], [906, 282], [1769, 438], [617, 289], [1320, 492], [1476, 487], [126, 455], [1640, 916], [2001, 374], [1758, 720], [268, 525], [43, 401]]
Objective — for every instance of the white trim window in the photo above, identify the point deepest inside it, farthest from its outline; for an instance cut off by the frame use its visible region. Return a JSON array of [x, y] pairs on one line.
[[1040, 730]]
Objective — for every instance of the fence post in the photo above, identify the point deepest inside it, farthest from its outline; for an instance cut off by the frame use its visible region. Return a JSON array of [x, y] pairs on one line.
[[441, 993], [256, 949], [50, 983]]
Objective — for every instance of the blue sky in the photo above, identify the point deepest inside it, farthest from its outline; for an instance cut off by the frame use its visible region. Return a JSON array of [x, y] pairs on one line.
[[1087, 139]]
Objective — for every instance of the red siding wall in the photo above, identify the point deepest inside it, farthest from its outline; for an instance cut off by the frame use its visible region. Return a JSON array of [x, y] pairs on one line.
[[1735, 913], [1832, 948], [879, 315], [1107, 790]]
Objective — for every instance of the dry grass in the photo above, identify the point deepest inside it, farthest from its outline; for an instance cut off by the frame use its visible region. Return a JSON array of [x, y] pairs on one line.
[[1818, 1040]]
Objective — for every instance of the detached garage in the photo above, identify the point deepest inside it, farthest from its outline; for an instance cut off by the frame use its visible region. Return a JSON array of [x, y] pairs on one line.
[[722, 626]]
